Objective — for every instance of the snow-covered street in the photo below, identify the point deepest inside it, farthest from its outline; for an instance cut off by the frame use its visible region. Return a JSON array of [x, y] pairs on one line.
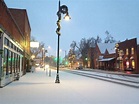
[[39, 88], [131, 80]]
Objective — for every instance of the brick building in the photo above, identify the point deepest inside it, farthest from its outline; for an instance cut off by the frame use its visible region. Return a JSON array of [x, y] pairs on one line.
[[105, 56], [14, 43], [122, 56], [102, 56], [127, 53]]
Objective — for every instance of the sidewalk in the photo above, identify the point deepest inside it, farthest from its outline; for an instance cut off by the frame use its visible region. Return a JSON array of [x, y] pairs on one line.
[[39, 88]]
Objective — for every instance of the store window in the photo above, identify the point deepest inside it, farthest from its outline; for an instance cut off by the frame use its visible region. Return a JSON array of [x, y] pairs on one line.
[[133, 64], [18, 63], [22, 63], [121, 65], [127, 64], [13, 62], [5, 63], [10, 63]]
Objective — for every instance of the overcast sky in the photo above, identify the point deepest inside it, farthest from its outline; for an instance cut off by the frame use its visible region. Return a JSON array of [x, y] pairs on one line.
[[89, 19]]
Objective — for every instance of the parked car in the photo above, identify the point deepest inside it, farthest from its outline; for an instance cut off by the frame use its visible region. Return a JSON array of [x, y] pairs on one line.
[[79, 67]]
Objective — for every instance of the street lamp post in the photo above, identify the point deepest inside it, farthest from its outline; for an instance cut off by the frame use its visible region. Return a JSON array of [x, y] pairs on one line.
[[61, 10]]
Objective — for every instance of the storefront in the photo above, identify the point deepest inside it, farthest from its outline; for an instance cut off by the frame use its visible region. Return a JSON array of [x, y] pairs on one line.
[[107, 63], [119, 64], [11, 60]]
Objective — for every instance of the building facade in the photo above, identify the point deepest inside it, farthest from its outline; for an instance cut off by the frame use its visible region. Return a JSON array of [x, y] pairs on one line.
[[14, 43], [122, 56], [102, 56], [127, 56]]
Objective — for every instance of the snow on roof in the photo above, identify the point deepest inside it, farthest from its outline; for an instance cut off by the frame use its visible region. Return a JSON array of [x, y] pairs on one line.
[[107, 59], [109, 46]]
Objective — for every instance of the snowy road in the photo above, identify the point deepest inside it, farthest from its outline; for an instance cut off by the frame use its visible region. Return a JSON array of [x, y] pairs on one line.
[[37, 88], [124, 79]]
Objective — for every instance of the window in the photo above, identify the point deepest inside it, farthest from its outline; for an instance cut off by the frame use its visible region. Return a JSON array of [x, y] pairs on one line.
[[15, 48], [6, 41], [10, 44], [127, 64], [133, 64], [127, 52], [18, 63], [121, 52], [132, 51], [5, 63], [13, 60], [10, 62], [22, 63]]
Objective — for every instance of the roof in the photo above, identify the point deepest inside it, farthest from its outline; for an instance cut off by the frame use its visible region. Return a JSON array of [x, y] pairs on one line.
[[107, 59], [109, 46], [132, 38]]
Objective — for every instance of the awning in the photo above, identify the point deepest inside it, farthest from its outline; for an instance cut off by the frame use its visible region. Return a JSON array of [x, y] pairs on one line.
[[106, 59]]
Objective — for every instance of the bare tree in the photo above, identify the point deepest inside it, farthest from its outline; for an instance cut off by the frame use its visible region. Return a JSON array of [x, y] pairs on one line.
[[98, 40], [81, 49], [85, 45], [75, 49], [109, 38], [36, 51]]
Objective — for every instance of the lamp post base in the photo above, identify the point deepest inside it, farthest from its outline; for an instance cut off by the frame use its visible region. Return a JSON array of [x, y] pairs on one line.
[[57, 79]]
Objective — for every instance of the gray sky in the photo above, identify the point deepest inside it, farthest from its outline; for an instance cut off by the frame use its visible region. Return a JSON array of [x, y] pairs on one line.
[[89, 19]]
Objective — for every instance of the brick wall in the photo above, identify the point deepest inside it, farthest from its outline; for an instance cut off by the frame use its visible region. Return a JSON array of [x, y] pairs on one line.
[[8, 23], [20, 15]]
